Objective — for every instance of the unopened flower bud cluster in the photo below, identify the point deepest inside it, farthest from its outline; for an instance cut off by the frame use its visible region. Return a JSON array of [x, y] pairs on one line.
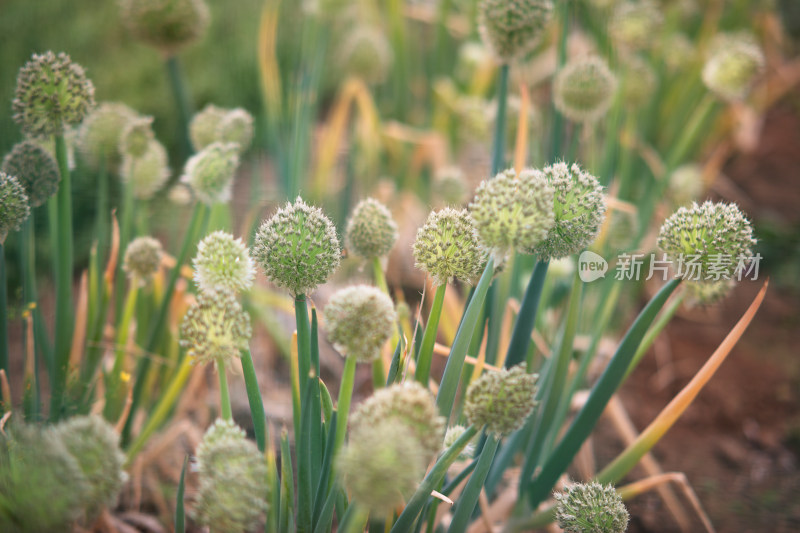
[[142, 259], [591, 508], [371, 232], [215, 124], [52, 94], [513, 211], [393, 436], [216, 327], [359, 321], [579, 210], [297, 248], [223, 263], [410, 405], [35, 169], [232, 473], [706, 232], [501, 401], [14, 207], [448, 247]]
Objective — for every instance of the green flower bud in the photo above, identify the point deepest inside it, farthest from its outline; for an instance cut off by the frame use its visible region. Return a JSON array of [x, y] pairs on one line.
[[136, 136], [381, 466], [95, 446], [707, 241], [215, 124], [211, 172], [14, 208], [35, 169], [450, 186], [99, 135], [203, 129], [236, 127], [406, 404], [513, 212], [215, 327], [453, 434], [167, 25], [579, 211], [232, 474], [359, 321], [297, 247], [371, 232], [731, 69], [583, 89], [42, 484], [447, 247], [591, 508], [634, 24], [366, 54], [638, 82], [52, 94], [148, 173], [685, 184], [501, 400], [223, 264], [513, 27], [142, 259]]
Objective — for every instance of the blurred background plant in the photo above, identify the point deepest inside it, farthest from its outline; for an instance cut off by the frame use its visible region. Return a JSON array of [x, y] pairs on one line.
[[212, 116]]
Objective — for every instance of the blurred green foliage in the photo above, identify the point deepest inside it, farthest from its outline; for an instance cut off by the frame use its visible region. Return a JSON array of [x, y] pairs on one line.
[[221, 69]]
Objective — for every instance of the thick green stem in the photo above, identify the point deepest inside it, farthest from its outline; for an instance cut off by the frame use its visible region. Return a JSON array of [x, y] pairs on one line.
[[526, 318], [378, 372], [499, 144], [114, 390], [182, 102], [126, 233], [380, 278], [557, 130], [255, 401], [446, 396], [423, 371], [303, 342], [224, 394], [102, 222], [469, 498], [345, 396], [64, 309]]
